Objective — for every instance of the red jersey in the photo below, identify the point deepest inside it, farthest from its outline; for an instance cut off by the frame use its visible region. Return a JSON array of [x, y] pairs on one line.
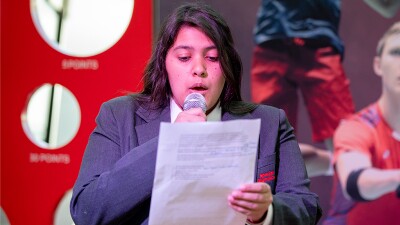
[[368, 132]]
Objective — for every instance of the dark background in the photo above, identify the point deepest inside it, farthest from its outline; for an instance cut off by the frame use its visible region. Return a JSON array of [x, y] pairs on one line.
[[360, 28]]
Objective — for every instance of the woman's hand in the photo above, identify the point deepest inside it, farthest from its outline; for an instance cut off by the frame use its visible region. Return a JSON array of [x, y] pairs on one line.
[[252, 200], [191, 115]]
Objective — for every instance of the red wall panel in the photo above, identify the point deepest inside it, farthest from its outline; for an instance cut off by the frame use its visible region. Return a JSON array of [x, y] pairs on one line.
[[31, 189]]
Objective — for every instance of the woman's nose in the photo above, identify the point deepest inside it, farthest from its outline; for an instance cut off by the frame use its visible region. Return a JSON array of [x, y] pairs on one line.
[[199, 67]]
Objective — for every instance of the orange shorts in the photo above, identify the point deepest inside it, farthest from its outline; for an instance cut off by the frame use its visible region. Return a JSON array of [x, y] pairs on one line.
[[282, 68]]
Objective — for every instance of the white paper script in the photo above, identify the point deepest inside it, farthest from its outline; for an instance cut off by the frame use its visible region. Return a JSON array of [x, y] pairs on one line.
[[198, 166]]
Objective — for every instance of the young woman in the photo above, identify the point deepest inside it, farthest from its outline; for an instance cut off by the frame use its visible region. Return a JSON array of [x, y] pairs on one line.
[[194, 53]]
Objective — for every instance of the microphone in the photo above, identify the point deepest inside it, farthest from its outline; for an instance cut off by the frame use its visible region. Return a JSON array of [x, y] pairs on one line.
[[195, 100]]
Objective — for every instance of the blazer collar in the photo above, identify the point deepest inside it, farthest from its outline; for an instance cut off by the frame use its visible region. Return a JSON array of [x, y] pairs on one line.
[[229, 116], [150, 128]]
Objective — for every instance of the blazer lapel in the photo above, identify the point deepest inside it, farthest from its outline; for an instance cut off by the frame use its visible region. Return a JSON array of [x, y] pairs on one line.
[[228, 116], [151, 125]]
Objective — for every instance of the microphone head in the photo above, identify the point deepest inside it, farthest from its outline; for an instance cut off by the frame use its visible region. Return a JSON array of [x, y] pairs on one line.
[[195, 100]]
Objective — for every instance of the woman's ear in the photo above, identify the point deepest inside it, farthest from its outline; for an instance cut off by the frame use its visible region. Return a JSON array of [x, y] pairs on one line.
[[377, 66]]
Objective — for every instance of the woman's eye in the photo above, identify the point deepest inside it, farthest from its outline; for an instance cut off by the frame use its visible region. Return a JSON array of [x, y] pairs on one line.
[[212, 58], [183, 58]]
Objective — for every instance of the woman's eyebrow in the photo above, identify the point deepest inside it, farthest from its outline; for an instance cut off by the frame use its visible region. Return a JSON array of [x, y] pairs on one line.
[[182, 47], [190, 47]]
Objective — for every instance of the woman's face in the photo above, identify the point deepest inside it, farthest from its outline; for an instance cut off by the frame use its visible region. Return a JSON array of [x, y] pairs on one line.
[[193, 65]]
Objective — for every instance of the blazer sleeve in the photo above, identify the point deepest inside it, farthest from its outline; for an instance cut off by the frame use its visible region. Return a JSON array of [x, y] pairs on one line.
[[114, 185], [293, 201]]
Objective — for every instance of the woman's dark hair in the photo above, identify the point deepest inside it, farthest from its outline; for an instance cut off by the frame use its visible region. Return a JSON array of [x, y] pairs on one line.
[[156, 84]]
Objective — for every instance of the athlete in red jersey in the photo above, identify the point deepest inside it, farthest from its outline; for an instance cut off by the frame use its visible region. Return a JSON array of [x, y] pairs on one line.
[[367, 150]]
